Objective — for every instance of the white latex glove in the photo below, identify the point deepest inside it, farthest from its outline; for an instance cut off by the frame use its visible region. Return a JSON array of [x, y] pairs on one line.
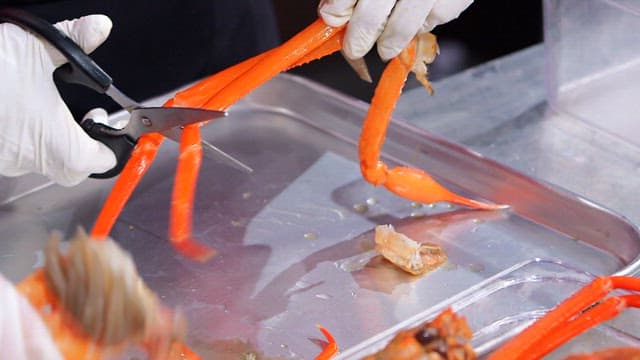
[[37, 131], [23, 334], [390, 23]]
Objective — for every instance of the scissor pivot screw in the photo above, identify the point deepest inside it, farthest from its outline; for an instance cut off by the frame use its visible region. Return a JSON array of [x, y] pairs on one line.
[[146, 121]]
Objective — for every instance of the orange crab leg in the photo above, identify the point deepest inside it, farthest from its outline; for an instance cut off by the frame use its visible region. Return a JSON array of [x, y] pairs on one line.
[[145, 151], [141, 158], [255, 71], [190, 157], [277, 60], [609, 354], [328, 47], [183, 194], [572, 317], [600, 313], [409, 183], [200, 93], [221, 90], [331, 349]]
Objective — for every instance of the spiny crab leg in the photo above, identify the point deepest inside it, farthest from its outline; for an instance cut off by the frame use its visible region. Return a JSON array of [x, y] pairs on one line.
[[225, 89], [409, 183], [147, 148], [580, 312], [200, 95], [183, 195], [311, 43]]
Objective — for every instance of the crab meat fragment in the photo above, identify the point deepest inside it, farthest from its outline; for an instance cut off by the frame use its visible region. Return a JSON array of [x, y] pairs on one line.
[[409, 255]]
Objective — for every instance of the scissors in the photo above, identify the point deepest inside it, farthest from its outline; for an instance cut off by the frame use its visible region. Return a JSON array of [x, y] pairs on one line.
[[82, 70]]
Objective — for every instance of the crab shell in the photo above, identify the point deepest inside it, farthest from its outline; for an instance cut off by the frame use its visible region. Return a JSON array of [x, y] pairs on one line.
[[446, 337]]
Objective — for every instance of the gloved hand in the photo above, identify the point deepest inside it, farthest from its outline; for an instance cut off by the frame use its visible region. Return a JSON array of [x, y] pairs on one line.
[[37, 131], [392, 23], [23, 334]]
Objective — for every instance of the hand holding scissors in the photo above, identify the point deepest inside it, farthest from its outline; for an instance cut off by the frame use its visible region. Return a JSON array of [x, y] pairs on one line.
[[82, 70]]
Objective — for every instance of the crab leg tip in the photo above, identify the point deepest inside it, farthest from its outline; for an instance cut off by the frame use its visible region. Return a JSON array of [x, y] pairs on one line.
[[194, 250], [331, 349]]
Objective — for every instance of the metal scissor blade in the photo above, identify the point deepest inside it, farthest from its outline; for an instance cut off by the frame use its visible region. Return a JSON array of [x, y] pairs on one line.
[[211, 151], [159, 119]]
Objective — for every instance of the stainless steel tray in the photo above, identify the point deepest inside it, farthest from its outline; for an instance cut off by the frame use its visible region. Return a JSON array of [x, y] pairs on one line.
[[294, 238]]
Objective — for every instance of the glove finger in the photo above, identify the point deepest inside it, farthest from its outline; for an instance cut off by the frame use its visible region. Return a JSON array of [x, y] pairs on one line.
[[88, 32], [405, 22], [366, 25], [336, 12], [75, 155], [444, 11]]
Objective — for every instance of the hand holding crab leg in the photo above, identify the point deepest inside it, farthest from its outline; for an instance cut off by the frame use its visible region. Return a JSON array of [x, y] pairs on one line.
[[222, 90], [389, 23], [409, 183]]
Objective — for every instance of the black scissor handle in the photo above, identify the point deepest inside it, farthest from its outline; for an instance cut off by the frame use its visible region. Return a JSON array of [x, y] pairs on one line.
[[81, 69], [121, 145]]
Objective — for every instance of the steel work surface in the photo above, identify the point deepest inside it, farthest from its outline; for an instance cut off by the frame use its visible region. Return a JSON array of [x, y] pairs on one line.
[[294, 238]]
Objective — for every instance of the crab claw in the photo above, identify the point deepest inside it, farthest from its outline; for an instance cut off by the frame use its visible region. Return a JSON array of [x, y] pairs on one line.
[[417, 185], [409, 183]]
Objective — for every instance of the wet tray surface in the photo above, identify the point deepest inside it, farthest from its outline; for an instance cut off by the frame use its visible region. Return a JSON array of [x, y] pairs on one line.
[[294, 238]]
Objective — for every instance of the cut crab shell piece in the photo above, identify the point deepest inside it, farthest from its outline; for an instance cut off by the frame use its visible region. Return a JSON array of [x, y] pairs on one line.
[[409, 255]]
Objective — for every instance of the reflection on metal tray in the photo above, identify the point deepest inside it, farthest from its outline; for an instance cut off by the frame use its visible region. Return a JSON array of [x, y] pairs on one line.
[[292, 238]]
